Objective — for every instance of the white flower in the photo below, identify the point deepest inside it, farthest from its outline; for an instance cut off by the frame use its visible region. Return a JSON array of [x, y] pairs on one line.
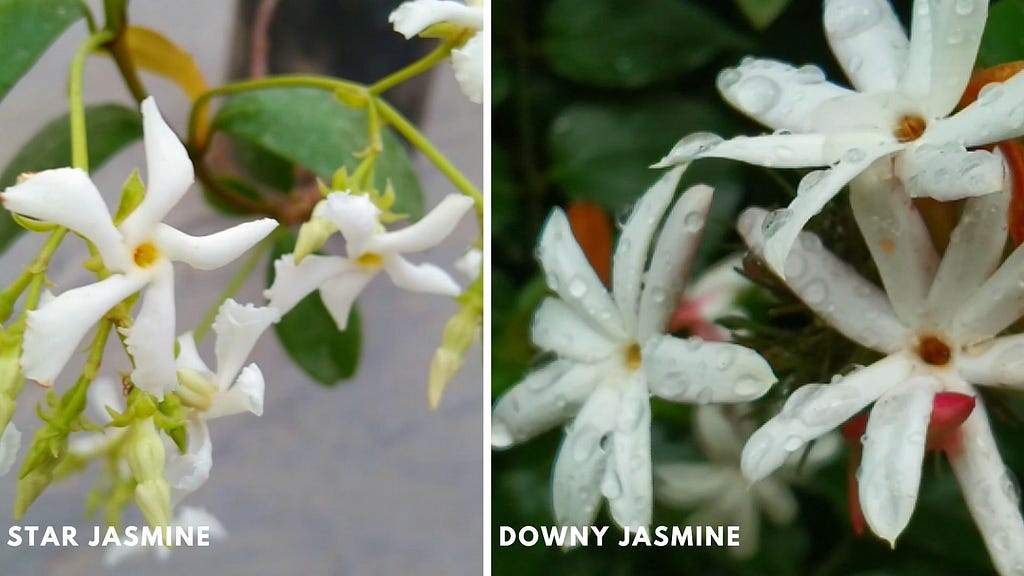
[[899, 113], [937, 323], [413, 17], [469, 263], [139, 252], [717, 490], [613, 354], [370, 249], [187, 517]]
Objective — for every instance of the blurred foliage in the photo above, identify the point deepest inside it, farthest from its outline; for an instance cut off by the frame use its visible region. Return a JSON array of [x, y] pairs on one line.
[[588, 93]]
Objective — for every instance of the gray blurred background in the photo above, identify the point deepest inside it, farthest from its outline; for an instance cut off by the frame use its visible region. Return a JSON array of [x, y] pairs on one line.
[[360, 479]]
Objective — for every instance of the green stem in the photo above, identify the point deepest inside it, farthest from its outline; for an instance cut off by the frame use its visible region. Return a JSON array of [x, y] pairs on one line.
[[119, 51], [34, 274], [79, 143], [412, 70], [234, 286]]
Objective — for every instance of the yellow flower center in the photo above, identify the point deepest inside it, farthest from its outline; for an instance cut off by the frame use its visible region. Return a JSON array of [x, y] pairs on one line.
[[633, 357], [145, 255], [909, 128], [370, 260]]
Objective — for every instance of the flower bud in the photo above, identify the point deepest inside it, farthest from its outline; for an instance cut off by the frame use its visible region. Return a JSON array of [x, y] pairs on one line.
[[196, 390], [153, 498], [458, 336], [144, 451]]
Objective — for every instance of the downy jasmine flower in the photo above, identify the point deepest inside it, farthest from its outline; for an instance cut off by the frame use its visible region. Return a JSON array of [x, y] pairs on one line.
[[612, 355], [937, 322], [898, 112], [717, 490], [139, 252], [370, 249], [416, 16]]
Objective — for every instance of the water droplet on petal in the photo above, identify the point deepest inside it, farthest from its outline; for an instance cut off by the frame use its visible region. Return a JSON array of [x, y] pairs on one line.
[[964, 7], [792, 444], [757, 94], [815, 292], [810, 74], [693, 222], [728, 78], [854, 155], [577, 287], [848, 18]]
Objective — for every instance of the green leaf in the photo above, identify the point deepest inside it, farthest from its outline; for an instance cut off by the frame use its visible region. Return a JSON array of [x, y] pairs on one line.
[[1002, 40], [311, 128], [310, 336], [619, 43], [27, 29], [111, 127], [761, 13], [264, 166]]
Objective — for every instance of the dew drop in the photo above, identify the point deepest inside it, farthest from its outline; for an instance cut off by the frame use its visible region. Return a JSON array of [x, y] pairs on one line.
[[728, 78], [854, 155], [577, 287], [848, 18], [815, 292], [693, 222], [757, 94], [810, 74]]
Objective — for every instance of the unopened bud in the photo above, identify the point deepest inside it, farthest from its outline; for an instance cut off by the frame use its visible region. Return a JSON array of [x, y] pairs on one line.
[[144, 451], [196, 390], [458, 336], [153, 498]]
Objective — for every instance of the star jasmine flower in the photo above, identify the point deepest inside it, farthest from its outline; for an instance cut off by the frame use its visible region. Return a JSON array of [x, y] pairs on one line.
[[469, 263], [717, 489], [415, 17], [938, 323], [612, 355], [898, 112], [370, 249], [139, 252]]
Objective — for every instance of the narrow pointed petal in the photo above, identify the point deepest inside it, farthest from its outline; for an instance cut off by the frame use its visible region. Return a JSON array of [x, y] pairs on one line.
[[169, 174], [776, 499], [890, 469], [53, 331], [975, 249], [868, 41], [293, 282], [670, 265], [581, 460], [66, 196], [339, 294], [996, 362], [897, 238], [702, 372], [187, 472], [570, 275], [995, 116], [628, 482], [238, 327], [428, 232], [990, 492], [633, 248], [415, 16], [188, 355], [246, 395], [814, 409], [717, 435], [424, 277], [780, 150], [215, 250], [689, 484], [150, 340], [776, 94], [998, 303], [916, 80], [557, 328], [949, 171], [834, 290], [543, 399], [814, 191], [468, 63], [10, 442], [356, 216]]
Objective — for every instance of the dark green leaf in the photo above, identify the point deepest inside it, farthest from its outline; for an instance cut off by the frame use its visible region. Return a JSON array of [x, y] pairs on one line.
[[27, 29], [310, 336], [265, 167], [311, 128], [111, 127], [1002, 40], [761, 13], [622, 44]]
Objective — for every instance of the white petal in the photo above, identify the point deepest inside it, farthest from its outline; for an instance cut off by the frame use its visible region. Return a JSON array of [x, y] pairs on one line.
[[634, 245], [246, 395], [781, 150], [776, 499], [238, 327], [339, 293], [104, 392], [717, 435], [702, 372], [557, 328], [415, 16], [814, 191], [428, 232], [897, 238], [187, 472], [66, 196], [775, 94], [469, 263], [997, 304], [995, 116], [973, 253], [890, 471], [356, 217], [670, 265], [868, 41], [570, 275], [420, 277], [468, 62], [193, 516], [833, 289], [10, 442], [628, 483], [188, 355], [996, 362], [169, 174], [689, 484], [150, 340], [215, 250], [294, 282], [949, 172], [580, 464], [814, 409], [545, 398], [53, 331], [990, 492]]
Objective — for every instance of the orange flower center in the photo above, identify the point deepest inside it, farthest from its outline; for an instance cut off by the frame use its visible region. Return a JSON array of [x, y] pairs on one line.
[[934, 351], [145, 255], [909, 128]]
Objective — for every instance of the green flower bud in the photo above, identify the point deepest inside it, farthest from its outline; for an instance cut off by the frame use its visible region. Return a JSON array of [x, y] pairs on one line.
[[458, 336], [144, 451], [312, 236], [196, 390], [153, 498]]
